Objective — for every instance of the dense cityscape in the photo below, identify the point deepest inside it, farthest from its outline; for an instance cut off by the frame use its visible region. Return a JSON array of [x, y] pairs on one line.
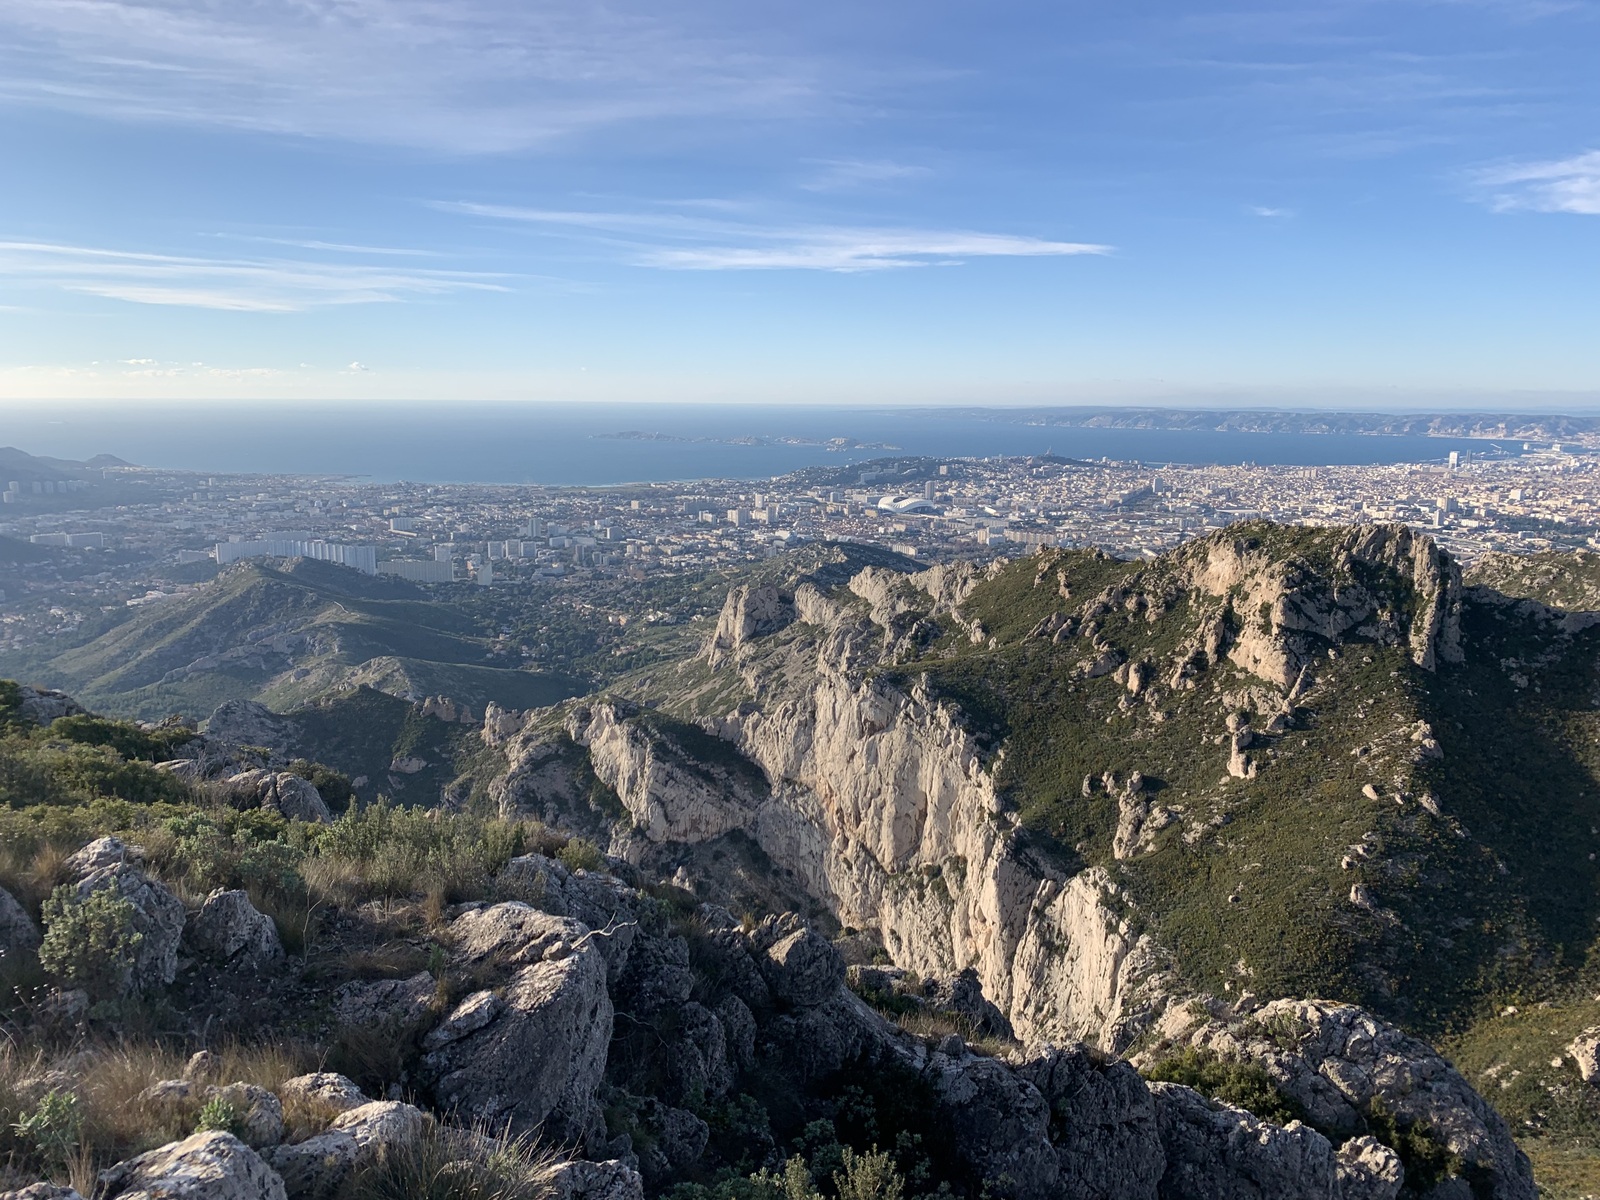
[[102, 538]]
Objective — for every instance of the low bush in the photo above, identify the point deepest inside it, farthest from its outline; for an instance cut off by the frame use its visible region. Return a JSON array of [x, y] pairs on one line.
[[445, 1163], [90, 943], [1244, 1085]]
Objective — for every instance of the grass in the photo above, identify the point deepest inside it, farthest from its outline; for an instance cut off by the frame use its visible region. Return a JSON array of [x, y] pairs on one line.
[[446, 1163], [112, 1122]]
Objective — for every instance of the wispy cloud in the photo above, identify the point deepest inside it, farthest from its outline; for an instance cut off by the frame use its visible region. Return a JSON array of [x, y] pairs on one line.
[[463, 76], [1563, 185], [674, 241], [1262, 210], [853, 174], [334, 247], [231, 284]]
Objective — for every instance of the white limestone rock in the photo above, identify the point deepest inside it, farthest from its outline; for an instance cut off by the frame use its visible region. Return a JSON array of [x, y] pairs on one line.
[[158, 916], [206, 1166], [1217, 1152]]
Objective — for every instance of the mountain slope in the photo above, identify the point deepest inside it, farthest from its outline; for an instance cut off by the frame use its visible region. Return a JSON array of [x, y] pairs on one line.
[[288, 633]]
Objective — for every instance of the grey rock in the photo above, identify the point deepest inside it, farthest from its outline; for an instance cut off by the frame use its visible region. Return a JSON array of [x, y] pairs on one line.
[[535, 1056], [102, 852], [999, 1126], [282, 792], [394, 1005], [1102, 1123], [1340, 1064], [656, 978], [610, 1180], [259, 1111], [738, 1031], [609, 907], [42, 1191], [1217, 1152], [229, 930], [158, 916], [316, 1168], [43, 707], [323, 1088], [1369, 1170], [1585, 1052], [206, 1166], [19, 936], [800, 966]]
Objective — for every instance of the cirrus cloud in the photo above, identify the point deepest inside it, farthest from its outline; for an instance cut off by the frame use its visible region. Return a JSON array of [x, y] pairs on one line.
[[1562, 185]]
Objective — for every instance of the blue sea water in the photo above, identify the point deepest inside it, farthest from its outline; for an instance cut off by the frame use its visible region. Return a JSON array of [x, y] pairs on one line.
[[577, 443]]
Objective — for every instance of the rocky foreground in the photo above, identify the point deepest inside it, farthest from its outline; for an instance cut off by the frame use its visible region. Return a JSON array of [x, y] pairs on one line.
[[532, 1026]]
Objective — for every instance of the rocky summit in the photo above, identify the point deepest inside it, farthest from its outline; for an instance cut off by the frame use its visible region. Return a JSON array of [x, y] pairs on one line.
[[1262, 868]]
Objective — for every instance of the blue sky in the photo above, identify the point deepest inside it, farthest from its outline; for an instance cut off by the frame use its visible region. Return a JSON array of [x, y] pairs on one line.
[[1385, 203]]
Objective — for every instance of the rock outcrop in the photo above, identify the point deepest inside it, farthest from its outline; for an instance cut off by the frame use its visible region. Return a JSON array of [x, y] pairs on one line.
[[158, 915], [207, 1166], [1346, 1069], [282, 792], [531, 1053], [228, 930], [1217, 1152]]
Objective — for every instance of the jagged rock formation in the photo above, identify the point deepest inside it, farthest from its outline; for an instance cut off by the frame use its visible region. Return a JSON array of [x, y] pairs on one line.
[[286, 794], [158, 915]]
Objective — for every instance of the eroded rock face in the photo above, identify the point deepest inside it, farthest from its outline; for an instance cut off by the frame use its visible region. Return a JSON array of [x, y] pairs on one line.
[[1102, 1122], [1341, 1064], [531, 1053], [1307, 608], [282, 792], [1217, 1152], [749, 612], [229, 931], [158, 916], [671, 796], [207, 1166], [801, 967], [1369, 1170]]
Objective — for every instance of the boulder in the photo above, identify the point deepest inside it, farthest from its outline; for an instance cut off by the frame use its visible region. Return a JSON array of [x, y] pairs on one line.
[[102, 852], [19, 936], [206, 1166], [1369, 1170], [158, 916], [281, 791], [394, 1006], [800, 966], [43, 707], [1585, 1052], [324, 1089], [674, 1139], [1217, 1152], [42, 1191], [604, 903], [317, 1168], [1102, 1123], [228, 930], [531, 1053], [610, 1180]]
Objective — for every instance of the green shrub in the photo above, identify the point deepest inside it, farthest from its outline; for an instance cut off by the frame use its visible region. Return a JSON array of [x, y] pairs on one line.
[[218, 1115], [90, 943], [54, 1127], [1244, 1085], [580, 854], [126, 738]]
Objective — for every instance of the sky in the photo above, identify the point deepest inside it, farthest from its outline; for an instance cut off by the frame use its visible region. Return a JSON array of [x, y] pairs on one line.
[[1362, 203]]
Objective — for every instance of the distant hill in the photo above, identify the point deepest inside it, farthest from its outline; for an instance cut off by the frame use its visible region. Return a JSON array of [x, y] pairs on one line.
[[285, 633]]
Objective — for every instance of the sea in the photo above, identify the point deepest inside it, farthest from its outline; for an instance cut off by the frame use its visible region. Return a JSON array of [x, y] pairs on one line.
[[601, 444]]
